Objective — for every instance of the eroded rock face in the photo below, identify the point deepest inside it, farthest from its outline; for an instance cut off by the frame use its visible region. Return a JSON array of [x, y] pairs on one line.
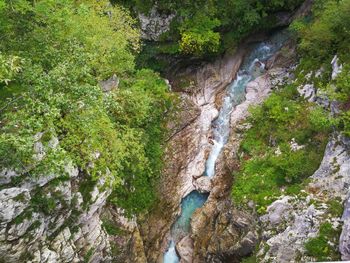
[[188, 146], [13, 201], [221, 232], [45, 218], [50, 221], [185, 249], [291, 221], [154, 24], [127, 245]]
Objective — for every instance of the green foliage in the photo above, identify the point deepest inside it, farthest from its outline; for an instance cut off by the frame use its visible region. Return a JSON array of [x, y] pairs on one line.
[[269, 164], [88, 255], [345, 122], [205, 27], [335, 208], [322, 37], [40, 202], [198, 37], [328, 33], [9, 67], [342, 92], [74, 28], [251, 259], [319, 246], [111, 228], [86, 186], [53, 54], [139, 113]]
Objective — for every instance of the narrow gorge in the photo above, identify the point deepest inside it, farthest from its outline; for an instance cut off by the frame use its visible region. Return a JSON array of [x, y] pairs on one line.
[[174, 132], [253, 65]]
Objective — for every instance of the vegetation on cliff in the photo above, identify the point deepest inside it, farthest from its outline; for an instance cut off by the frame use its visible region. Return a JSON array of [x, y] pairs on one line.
[[53, 55], [203, 27], [270, 167], [322, 38], [269, 164]]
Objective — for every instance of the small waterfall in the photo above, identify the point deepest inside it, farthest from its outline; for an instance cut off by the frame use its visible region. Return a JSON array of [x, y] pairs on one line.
[[171, 256], [252, 67]]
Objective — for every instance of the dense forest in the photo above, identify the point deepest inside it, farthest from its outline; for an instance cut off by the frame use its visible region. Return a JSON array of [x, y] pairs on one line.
[[53, 55]]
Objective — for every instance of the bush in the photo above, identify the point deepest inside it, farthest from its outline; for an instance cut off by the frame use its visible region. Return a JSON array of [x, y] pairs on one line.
[[319, 246], [198, 37], [268, 162], [328, 33]]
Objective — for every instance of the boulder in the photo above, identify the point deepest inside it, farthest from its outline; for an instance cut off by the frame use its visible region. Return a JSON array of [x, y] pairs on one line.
[[308, 91], [154, 24], [184, 249], [278, 211], [13, 201], [336, 67], [203, 184], [110, 84]]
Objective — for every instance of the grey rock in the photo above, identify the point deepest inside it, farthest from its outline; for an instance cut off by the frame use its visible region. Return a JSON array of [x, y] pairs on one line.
[[18, 230], [278, 211], [110, 84], [291, 221], [71, 170], [154, 24], [65, 246], [185, 249], [308, 91], [13, 201], [39, 150], [48, 256], [6, 176], [203, 184], [53, 143], [336, 68], [344, 242]]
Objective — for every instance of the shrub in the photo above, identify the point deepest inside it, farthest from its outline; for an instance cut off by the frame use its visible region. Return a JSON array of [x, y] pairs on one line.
[[319, 246]]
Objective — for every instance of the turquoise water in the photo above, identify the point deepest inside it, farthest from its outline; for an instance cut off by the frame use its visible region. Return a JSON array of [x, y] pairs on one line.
[[252, 67], [182, 225], [188, 205]]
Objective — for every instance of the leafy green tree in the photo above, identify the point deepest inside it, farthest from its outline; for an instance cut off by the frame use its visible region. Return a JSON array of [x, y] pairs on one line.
[[53, 54], [198, 37], [9, 67], [328, 33], [205, 27]]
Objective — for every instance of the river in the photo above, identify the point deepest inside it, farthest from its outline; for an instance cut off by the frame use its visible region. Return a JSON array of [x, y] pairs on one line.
[[252, 67]]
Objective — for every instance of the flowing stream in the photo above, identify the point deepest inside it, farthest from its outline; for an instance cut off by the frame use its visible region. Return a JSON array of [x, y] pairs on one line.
[[252, 67]]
